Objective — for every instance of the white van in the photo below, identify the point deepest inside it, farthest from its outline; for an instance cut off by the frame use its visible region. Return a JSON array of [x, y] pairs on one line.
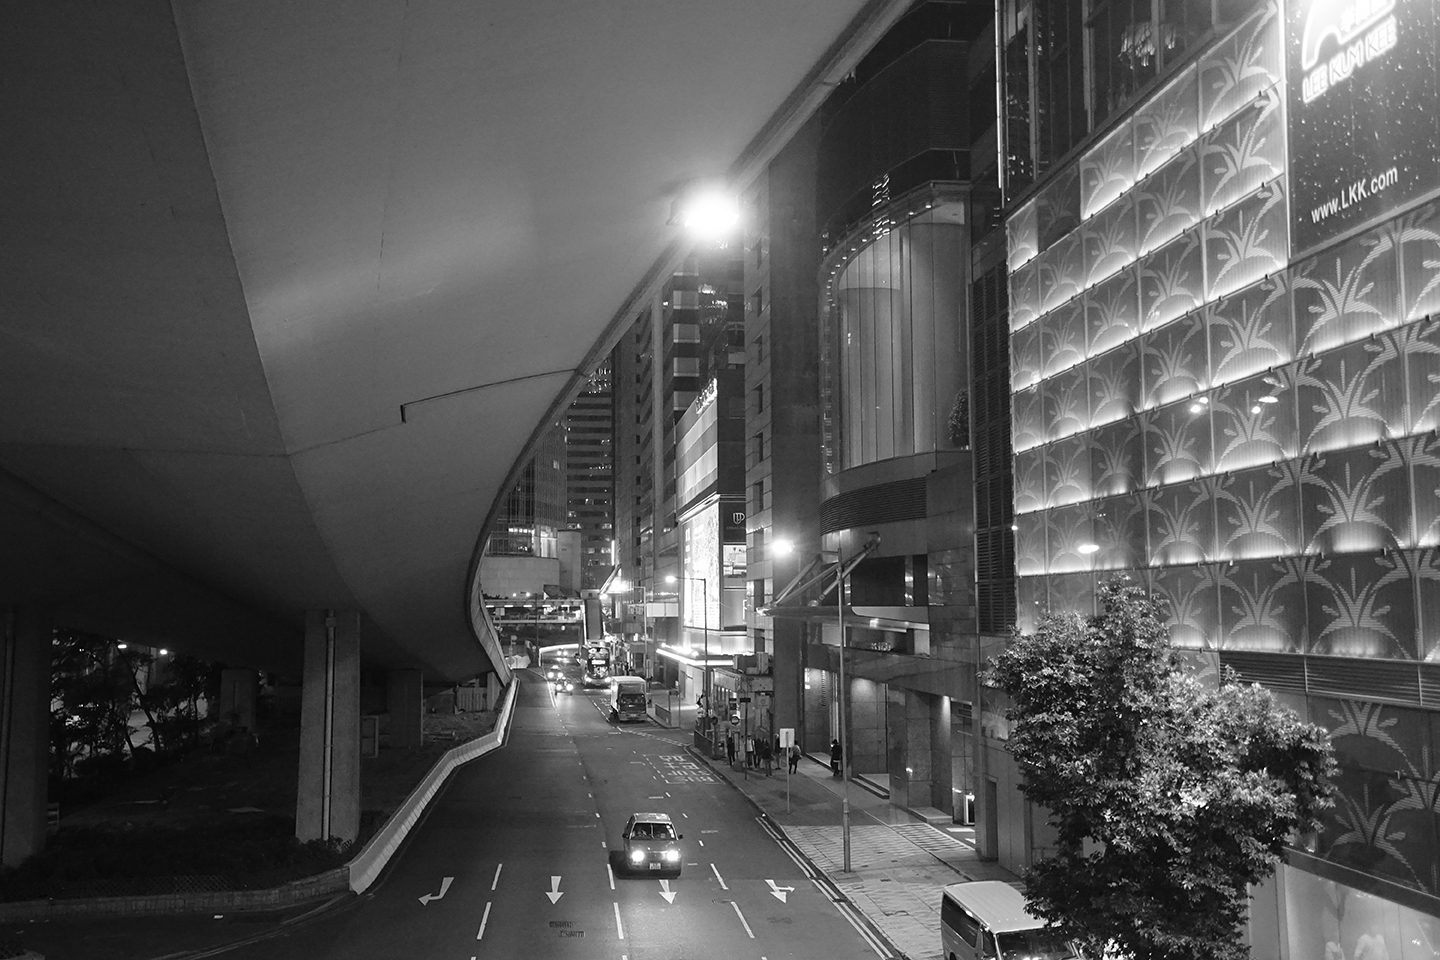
[[987, 920]]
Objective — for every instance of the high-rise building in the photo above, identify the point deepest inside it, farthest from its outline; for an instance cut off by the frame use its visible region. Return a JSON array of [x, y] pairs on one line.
[[861, 406], [589, 476], [688, 337], [1224, 255]]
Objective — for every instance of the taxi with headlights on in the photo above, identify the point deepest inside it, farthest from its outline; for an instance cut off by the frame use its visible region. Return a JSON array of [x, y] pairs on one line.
[[651, 844]]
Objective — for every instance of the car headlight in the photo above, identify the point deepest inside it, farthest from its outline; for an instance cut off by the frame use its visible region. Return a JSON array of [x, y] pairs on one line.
[[672, 856], [636, 856]]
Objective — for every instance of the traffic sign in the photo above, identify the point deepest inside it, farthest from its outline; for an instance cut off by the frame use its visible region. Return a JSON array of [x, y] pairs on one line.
[[787, 737], [734, 719]]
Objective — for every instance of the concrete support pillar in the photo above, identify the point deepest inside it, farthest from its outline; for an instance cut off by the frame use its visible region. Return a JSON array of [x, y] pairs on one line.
[[493, 691], [909, 729], [24, 729], [328, 804], [405, 702], [237, 698]]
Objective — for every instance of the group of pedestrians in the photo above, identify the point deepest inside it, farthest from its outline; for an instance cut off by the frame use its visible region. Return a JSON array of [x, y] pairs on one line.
[[762, 751]]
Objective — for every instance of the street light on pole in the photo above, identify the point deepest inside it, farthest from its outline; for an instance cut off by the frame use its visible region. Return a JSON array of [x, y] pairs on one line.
[[705, 604], [843, 567]]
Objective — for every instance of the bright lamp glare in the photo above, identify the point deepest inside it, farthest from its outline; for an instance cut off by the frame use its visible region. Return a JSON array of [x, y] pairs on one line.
[[782, 548], [670, 578], [1088, 548], [710, 214]]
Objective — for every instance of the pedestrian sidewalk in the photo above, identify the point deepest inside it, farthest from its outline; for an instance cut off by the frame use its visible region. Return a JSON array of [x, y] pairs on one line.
[[898, 862]]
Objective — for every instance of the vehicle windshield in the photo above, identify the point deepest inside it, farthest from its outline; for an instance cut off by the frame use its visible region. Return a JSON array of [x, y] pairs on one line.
[[652, 831], [632, 699], [1033, 945]]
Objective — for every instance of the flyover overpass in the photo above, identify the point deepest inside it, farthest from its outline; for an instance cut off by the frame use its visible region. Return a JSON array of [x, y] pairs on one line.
[[288, 288]]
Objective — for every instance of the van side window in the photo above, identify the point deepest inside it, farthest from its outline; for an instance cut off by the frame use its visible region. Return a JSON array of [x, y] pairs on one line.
[[987, 946], [958, 920]]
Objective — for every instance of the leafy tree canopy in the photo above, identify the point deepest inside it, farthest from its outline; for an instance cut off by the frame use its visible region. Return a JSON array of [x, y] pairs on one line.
[[1169, 796]]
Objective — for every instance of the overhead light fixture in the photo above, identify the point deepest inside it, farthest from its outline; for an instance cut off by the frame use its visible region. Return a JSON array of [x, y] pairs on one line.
[[1089, 548], [1269, 399], [707, 213]]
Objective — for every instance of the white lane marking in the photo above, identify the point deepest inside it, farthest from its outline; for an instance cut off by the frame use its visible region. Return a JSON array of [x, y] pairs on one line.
[[779, 892], [612, 876], [619, 927], [497, 875], [484, 920], [444, 886], [685, 815], [742, 919], [602, 845], [702, 843], [718, 877], [657, 798], [597, 815]]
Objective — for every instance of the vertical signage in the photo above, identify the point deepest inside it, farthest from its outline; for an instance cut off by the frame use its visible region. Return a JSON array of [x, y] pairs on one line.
[[1363, 122]]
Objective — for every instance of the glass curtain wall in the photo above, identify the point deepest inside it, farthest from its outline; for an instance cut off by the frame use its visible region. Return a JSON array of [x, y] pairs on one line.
[[890, 328]]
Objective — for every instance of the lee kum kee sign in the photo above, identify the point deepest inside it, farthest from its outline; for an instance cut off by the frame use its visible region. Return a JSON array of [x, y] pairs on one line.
[[1363, 119]]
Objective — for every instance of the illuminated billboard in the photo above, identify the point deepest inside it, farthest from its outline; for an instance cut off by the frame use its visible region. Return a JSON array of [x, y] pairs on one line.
[[1363, 123], [702, 585]]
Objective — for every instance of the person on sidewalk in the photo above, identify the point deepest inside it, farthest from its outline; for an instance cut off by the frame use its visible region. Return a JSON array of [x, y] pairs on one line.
[[730, 748], [794, 757], [750, 753], [835, 758], [766, 757]]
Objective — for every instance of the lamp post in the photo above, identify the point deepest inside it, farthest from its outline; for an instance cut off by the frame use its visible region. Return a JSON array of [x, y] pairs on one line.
[[705, 620], [784, 547]]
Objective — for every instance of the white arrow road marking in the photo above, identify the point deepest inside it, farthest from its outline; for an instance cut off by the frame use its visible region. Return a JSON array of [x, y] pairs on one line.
[[666, 892], [444, 885], [718, 877], [554, 893], [779, 893]]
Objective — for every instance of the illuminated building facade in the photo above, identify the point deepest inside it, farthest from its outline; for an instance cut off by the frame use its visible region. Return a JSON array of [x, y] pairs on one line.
[[1224, 271]]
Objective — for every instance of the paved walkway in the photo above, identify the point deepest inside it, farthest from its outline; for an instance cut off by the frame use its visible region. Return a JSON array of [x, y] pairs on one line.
[[898, 862]]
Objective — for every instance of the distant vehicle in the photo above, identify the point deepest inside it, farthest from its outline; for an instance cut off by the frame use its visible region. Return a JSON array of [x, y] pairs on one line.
[[987, 920], [627, 698], [651, 843], [596, 671]]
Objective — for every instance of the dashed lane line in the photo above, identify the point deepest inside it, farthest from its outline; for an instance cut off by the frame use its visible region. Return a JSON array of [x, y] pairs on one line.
[[742, 919], [497, 876], [484, 920]]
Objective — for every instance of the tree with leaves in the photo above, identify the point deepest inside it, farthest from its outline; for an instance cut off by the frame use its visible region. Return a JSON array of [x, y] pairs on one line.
[[1170, 796]]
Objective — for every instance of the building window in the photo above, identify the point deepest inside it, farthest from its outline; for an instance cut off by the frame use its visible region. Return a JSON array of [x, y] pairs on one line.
[[760, 398]]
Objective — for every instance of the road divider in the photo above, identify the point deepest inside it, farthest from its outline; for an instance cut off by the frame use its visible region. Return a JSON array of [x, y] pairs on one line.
[[366, 865]]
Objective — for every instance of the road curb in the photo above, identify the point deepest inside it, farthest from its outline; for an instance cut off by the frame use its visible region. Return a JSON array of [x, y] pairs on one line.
[[867, 928]]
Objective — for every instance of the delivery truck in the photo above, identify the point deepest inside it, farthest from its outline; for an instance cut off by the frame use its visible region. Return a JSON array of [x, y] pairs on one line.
[[627, 698]]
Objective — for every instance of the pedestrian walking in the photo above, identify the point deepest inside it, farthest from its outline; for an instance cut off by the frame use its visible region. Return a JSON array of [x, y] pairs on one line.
[[750, 752], [835, 758], [730, 748], [766, 756], [794, 757]]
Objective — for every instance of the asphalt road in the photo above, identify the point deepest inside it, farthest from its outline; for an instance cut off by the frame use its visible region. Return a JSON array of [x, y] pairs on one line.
[[514, 861]]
